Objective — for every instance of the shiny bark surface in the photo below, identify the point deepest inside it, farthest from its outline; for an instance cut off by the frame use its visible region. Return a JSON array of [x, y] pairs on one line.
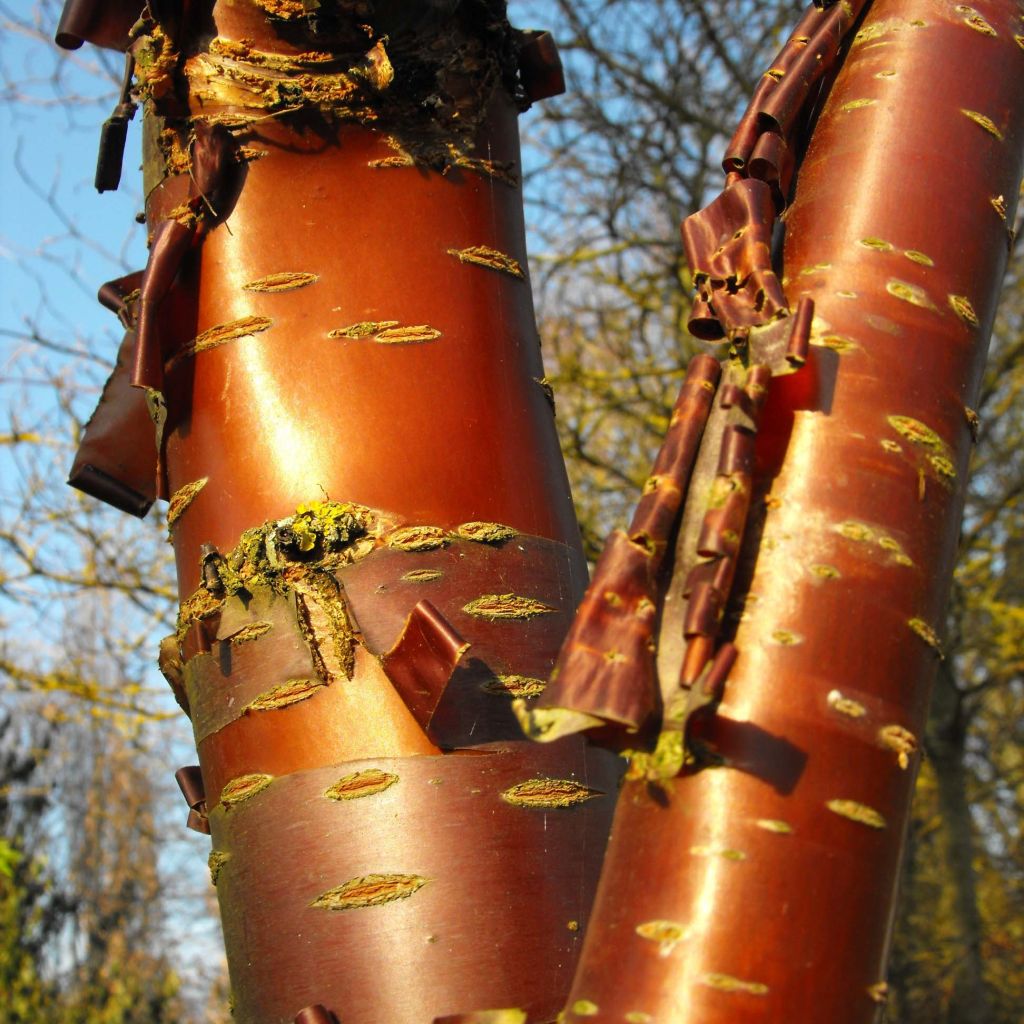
[[376, 547], [758, 885]]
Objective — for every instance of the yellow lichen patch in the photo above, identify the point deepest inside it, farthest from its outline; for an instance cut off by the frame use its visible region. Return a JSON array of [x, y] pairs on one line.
[[285, 694], [999, 205], [853, 530], [252, 631], [845, 705], [814, 268], [407, 335], [984, 122], [638, 1017], [195, 607], [244, 787], [976, 21], [916, 432], [1019, 40], [857, 105], [973, 422], [250, 153], [900, 740], [776, 74], [369, 891], [356, 785], [845, 293], [717, 851], [824, 571], [282, 10], [387, 332], [869, 33], [779, 827], [505, 172], [363, 329], [786, 637], [485, 533], [422, 576], [417, 538], [890, 446], [961, 305], [911, 293], [215, 862], [855, 811], [916, 256], [878, 244], [549, 392], [879, 992], [885, 74], [506, 606], [668, 934], [181, 499], [514, 686], [727, 983], [895, 549], [943, 467], [485, 256], [585, 1008], [926, 633], [548, 793], [285, 281], [836, 342], [398, 160], [219, 335]]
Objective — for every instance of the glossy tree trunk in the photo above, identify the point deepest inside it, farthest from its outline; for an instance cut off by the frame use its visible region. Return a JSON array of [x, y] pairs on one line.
[[374, 535], [758, 884]]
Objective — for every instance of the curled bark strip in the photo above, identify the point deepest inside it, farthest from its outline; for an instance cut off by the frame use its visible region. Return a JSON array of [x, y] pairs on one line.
[[721, 531], [659, 505], [606, 670], [116, 460], [784, 104], [540, 66], [728, 246], [772, 162], [732, 273], [212, 159], [94, 21], [422, 661], [190, 782]]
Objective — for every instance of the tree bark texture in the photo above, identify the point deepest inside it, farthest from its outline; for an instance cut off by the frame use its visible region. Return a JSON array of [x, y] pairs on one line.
[[756, 883], [376, 547]]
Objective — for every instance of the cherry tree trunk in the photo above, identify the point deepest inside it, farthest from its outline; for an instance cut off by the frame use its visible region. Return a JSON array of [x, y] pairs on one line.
[[758, 883], [334, 343]]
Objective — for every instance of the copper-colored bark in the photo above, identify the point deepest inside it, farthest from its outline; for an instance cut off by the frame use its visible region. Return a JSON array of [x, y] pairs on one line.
[[375, 543], [758, 884]]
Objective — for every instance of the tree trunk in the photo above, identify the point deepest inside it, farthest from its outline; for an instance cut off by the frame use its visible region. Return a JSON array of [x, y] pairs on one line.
[[757, 883], [375, 541]]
